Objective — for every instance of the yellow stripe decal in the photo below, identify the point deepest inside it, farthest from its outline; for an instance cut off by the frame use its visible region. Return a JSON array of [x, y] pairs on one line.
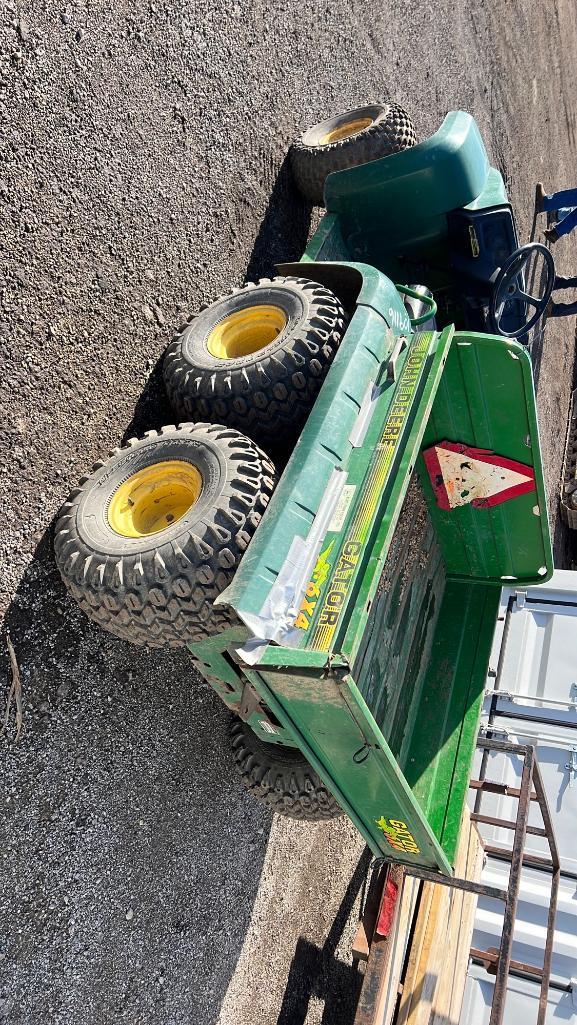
[[375, 480]]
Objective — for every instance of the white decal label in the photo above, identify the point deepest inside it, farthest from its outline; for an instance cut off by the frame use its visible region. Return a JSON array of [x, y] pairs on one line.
[[340, 513]]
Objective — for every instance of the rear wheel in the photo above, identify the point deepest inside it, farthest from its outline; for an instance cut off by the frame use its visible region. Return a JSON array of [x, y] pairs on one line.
[[280, 777], [256, 359], [152, 536], [355, 137]]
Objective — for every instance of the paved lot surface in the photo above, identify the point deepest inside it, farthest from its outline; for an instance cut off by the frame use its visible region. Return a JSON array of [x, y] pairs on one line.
[[142, 172]]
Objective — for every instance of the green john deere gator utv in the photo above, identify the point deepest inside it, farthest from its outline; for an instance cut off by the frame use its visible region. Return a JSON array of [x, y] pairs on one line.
[[342, 602]]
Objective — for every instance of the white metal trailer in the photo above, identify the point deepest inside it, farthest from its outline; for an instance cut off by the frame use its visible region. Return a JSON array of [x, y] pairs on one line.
[[532, 699]]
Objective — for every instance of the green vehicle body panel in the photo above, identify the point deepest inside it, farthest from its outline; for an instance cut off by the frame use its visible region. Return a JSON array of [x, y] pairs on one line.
[[335, 729], [325, 441], [387, 712], [484, 398], [404, 198], [384, 466], [327, 242], [392, 207], [212, 658], [493, 193], [439, 757], [380, 684], [418, 774]]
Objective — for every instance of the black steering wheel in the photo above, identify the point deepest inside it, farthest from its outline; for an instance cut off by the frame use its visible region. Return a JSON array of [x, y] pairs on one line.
[[509, 288]]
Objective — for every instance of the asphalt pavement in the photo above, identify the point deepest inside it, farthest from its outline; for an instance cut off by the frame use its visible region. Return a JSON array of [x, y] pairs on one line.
[[142, 172]]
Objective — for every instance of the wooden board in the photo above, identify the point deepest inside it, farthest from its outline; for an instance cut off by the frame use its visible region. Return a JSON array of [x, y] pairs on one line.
[[451, 988], [436, 967]]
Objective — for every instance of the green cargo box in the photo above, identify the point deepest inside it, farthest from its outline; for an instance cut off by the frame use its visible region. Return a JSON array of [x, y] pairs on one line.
[[370, 590]]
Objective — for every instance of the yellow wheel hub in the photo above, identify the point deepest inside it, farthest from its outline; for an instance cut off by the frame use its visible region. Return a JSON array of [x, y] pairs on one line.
[[246, 331], [346, 130], [154, 498]]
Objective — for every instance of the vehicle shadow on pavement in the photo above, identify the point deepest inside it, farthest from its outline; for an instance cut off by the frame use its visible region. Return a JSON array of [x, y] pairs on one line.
[[123, 762], [122, 812], [316, 972], [281, 238], [284, 230]]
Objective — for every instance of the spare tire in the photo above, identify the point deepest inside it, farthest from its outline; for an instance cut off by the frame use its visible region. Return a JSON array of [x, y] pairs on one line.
[[355, 137], [150, 537], [256, 359]]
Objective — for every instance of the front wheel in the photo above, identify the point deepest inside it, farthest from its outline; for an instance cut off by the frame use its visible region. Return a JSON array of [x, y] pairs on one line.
[[280, 777]]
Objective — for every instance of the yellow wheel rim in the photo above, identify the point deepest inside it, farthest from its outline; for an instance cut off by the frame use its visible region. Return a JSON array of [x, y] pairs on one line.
[[246, 331], [350, 128], [154, 498]]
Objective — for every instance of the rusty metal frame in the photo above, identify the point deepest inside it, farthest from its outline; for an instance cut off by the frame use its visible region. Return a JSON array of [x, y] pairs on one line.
[[499, 962], [531, 789]]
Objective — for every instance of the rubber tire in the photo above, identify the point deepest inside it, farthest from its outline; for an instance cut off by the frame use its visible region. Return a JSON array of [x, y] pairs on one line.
[[391, 131], [268, 394], [280, 777], [158, 590]]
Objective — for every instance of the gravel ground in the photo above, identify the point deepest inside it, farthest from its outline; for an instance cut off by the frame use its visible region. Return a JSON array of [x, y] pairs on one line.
[[142, 171]]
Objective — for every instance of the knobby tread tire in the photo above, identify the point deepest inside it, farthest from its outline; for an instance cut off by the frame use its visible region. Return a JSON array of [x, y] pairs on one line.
[[267, 395], [280, 777], [391, 132], [162, 592]]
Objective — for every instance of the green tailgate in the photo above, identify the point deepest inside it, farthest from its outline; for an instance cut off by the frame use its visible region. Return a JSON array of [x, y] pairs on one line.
[[486, 401]]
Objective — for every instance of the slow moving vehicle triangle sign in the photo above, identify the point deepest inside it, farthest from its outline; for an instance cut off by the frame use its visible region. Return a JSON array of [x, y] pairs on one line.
[[462, 475]]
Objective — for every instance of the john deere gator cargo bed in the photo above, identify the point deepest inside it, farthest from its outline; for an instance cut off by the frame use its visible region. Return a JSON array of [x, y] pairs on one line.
[[420, 668], [370, 590]]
